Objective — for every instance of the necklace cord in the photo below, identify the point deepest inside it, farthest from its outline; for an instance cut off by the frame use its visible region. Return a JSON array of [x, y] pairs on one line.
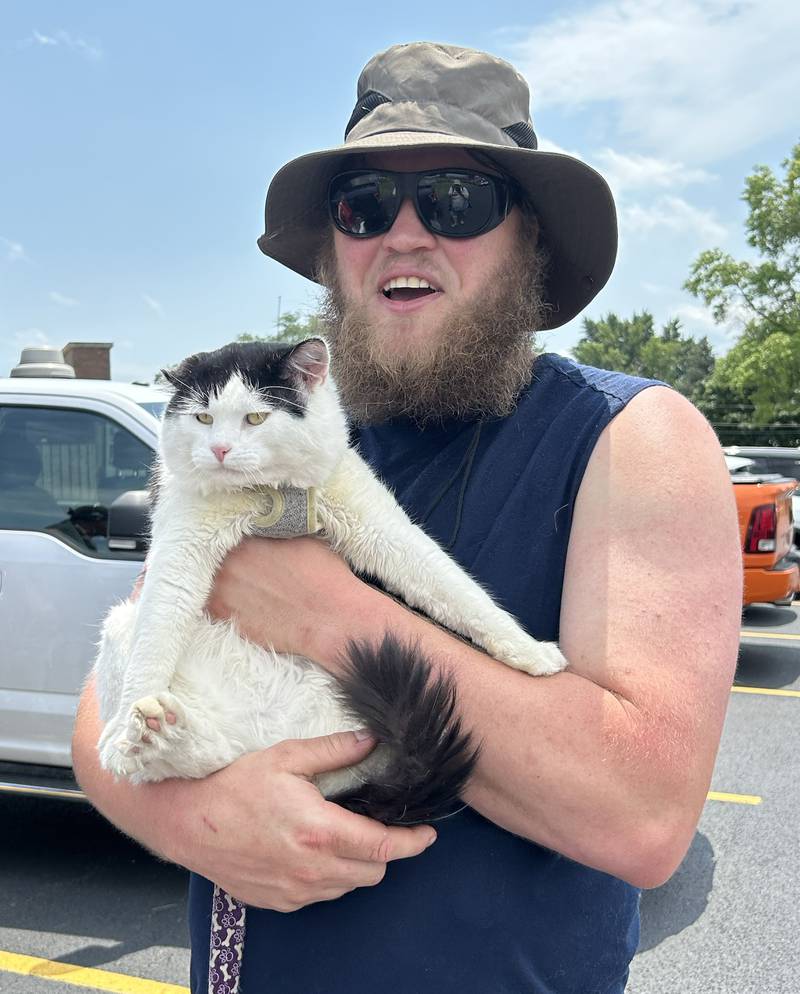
[[464, 469]]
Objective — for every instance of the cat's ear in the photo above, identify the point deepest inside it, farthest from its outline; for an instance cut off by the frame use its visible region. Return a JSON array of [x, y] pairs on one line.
[[172, 375], [308, 362], [177, 376]]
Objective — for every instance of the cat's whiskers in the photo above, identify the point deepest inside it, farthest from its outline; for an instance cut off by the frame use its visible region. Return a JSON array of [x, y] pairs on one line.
[[286, 400], [251, 477], [177, 381], [278, 386]]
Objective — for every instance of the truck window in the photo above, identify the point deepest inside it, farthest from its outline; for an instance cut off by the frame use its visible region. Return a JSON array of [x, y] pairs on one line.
[[60, 469], [783, 465]]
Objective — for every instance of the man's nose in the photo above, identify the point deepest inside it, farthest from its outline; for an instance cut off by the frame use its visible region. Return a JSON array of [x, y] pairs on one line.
[[220, 451], [408, 233]]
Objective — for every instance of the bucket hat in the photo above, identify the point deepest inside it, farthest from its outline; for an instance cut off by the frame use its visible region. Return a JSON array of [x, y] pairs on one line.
[[427, 95]]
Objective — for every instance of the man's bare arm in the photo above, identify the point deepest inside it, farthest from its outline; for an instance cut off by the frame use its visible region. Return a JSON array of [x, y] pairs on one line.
[[258, 828], [609, 762]]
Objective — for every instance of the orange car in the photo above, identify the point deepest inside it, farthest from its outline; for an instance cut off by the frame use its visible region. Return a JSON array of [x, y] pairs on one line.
[[764, 503]]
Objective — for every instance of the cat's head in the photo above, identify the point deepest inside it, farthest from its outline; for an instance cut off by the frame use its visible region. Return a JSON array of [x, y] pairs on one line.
[[253, 413]]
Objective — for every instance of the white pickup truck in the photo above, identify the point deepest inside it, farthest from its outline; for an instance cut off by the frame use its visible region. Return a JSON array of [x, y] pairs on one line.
[[69, 448]]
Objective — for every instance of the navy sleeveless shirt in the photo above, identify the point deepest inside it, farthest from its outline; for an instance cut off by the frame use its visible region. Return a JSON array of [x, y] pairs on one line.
[[482, 911]]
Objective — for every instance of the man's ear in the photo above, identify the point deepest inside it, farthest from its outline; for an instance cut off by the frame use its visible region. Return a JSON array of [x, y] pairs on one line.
[[308, 362]]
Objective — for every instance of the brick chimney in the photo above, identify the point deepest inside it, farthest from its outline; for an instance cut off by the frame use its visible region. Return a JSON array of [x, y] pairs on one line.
[[90, 360]]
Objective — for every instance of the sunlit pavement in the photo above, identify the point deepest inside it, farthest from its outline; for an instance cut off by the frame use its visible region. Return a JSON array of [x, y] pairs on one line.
[[728, 920]]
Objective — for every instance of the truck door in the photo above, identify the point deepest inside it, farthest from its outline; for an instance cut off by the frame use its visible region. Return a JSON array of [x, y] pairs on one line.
[[60, 469]]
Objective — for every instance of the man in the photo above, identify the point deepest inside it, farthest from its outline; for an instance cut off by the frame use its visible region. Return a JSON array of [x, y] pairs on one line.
[[595, 506]]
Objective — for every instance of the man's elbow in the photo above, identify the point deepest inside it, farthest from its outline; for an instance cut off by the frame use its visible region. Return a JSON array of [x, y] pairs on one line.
[[654, 851]]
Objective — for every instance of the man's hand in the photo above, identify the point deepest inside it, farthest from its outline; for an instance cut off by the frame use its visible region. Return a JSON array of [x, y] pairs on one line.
[[268, 837], [282, 592]]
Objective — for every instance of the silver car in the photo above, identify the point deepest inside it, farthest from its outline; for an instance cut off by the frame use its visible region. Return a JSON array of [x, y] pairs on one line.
[[69, 449]]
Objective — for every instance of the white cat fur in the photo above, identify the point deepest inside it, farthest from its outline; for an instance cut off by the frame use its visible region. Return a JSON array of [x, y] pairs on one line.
[[163, 653]]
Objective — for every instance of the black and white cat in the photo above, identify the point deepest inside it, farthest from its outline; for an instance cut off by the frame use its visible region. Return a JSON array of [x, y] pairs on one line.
[[253, 430]]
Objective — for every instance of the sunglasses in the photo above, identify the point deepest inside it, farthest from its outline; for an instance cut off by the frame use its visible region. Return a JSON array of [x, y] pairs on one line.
[[456, 203]]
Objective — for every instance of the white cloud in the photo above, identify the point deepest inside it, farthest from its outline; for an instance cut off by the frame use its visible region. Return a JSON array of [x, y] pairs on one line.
[[545, 145], [61, 300], [696, 316], [631, 175], [699, 319], [41, 39], [673, 214], [153, 304], [14, 251], [635, 172], [63, 39], [693, 80]]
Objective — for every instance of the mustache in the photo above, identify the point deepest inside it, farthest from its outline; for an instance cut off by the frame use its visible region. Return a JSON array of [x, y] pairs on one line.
[[476, 363]]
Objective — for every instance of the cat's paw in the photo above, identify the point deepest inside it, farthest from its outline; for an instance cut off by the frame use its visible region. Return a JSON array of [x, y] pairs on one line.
[[134, 737], [155, 721], [117, 754], [529, 655]]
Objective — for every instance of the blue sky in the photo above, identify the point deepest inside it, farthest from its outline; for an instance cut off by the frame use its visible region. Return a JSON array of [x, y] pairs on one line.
[[138, 141]]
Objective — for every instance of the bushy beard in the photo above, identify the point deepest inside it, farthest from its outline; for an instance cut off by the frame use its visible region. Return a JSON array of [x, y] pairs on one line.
[[477, 365]]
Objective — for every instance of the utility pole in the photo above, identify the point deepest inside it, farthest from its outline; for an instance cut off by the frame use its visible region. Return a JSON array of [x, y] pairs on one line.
[[278, 322]]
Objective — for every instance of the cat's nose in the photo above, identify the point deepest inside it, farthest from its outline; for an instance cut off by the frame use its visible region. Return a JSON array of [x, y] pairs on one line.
[[220, 451]]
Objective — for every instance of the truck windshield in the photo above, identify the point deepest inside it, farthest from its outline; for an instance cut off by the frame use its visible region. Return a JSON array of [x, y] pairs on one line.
[[156, 408]]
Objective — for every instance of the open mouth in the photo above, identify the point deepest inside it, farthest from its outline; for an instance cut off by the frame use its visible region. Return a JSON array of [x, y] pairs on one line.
[[405, 288]]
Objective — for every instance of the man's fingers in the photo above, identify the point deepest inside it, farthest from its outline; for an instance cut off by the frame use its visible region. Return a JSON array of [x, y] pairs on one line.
[[359, 838], [306, 757]]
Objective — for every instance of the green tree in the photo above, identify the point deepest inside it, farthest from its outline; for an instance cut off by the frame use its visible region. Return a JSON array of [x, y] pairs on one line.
[[292, 328], [631, 345], [763, 367]]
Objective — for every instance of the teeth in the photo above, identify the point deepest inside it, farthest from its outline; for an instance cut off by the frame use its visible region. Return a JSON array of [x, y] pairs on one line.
[[412, 282]]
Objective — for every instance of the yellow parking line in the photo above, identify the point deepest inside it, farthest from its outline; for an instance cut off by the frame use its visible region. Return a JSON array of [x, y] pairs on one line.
[[765, 690], [84, 976], [769, 635], [715, 795]]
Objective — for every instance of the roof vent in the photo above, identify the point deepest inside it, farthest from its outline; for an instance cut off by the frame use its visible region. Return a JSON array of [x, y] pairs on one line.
[[41, 360]]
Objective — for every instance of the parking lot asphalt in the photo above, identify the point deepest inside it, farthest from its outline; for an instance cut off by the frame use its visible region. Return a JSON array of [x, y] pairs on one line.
[[728, 920], [77, 894]]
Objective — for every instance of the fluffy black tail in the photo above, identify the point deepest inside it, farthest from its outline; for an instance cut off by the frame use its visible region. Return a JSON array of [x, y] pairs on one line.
[[391, 691]]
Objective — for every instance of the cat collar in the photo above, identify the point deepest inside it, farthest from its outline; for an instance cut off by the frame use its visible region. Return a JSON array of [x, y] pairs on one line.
[[287, 512]]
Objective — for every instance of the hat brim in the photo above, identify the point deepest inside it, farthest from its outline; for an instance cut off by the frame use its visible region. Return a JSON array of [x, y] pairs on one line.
[[572, 201]]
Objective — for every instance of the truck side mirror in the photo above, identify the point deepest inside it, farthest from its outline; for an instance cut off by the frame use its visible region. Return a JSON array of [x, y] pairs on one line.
[[129, 522]]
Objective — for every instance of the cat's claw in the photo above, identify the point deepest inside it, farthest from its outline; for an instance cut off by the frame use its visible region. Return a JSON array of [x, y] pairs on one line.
[[529, 655]]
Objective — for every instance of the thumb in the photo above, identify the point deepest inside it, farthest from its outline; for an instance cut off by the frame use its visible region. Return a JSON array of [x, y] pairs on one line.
[[308, 757]]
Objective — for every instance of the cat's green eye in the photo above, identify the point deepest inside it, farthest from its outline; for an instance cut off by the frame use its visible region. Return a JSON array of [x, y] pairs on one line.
[[204, 419], [257, 418]]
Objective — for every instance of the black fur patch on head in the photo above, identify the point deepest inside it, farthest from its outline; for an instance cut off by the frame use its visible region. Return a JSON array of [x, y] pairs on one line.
[[263, 366]]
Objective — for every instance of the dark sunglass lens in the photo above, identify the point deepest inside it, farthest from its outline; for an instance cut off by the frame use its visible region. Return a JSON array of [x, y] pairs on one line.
[[363, 203], [460, 204]]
